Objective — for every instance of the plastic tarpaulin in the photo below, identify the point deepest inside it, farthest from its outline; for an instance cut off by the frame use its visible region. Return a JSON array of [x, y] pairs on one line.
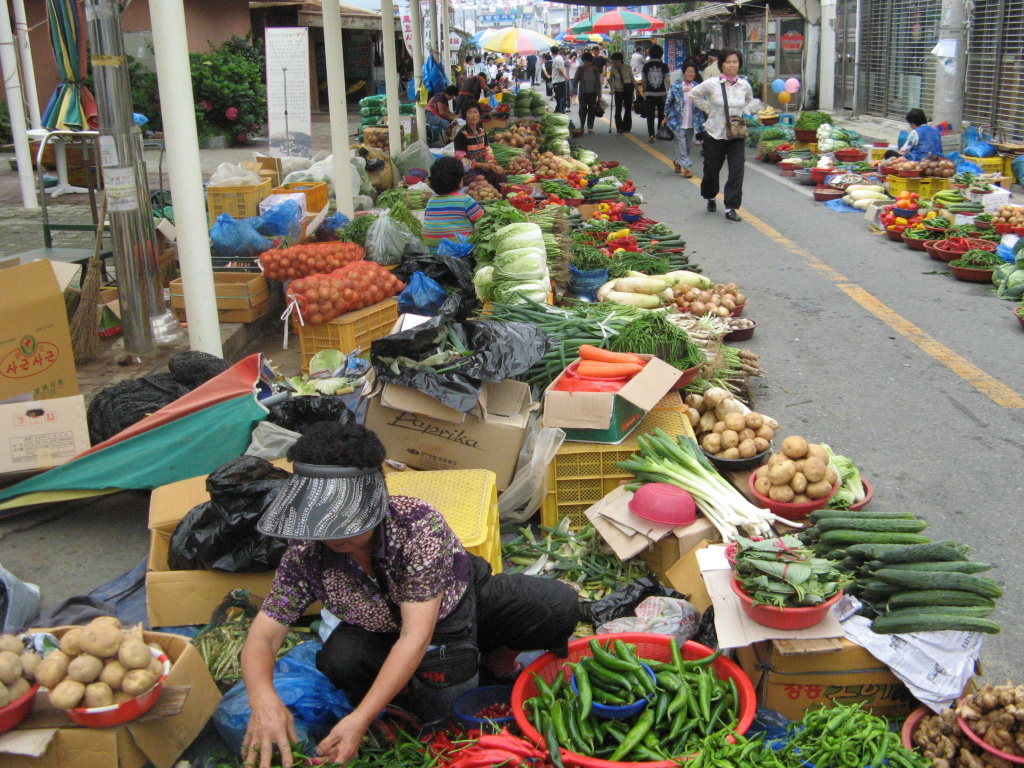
[[192, 436]]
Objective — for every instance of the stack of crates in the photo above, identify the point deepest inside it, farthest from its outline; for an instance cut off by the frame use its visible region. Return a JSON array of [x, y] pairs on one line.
[[468, 501], [348, 332], [581, 474], [987, 164]]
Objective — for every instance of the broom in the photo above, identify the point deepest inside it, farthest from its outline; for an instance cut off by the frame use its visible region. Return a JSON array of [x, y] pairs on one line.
[[85, 338]]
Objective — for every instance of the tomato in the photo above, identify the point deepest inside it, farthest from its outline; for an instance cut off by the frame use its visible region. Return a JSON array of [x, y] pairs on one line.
[[903, 196]]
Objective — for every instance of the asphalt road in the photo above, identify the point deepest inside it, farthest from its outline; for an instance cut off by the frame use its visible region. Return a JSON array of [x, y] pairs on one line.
[[917, 377]]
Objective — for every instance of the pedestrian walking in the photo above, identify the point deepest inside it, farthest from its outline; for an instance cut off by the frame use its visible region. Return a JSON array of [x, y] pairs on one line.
[[620, 79], [679, 117], [559, 81], [655, 80], [587, 86]]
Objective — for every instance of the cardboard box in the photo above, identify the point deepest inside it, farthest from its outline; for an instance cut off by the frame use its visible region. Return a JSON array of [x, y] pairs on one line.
[[41, 435], [608, 417], [663, 555], [109, 310], [269, 202], [35, 342], [419, 431], [685, 577], [181, 598], [159, 741], [792, 676], [242, 297]]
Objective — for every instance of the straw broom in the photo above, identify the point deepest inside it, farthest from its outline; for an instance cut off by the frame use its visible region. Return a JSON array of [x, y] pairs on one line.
[[85, 338]]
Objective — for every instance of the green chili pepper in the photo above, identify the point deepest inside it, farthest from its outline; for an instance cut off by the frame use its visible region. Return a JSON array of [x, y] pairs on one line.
[[561, 729], [635, 735], [552, 741], [677, 656], [661, 708], [609, 661], [697, 663], [678, 703], [704, 697], [585, 694]]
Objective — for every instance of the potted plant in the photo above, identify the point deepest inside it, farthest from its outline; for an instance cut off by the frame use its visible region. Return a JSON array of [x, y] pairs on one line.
[[782, 585]]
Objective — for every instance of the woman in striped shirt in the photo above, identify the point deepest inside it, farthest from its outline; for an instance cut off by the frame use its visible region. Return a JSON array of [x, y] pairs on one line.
[[449, 212]]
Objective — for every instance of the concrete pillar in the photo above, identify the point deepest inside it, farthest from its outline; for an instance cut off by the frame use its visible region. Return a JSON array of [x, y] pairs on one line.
[[434, 26], [12, 85], [334, 52], [28, 72], [950, 71], [387, 23], [416, 17], [827, 57], [446, 33]]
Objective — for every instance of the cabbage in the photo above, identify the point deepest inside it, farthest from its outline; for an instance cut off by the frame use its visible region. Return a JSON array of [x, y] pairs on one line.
[[1013, 286], [483, 280], [527, 263], [513, 236], [327, 360], [515, 293], [552, 119]]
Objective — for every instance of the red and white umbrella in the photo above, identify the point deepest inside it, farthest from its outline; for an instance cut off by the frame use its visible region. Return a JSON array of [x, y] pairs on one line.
[[616, 21]]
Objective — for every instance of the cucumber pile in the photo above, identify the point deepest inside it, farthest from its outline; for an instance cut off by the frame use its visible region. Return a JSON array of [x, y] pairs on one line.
[[906, 582]]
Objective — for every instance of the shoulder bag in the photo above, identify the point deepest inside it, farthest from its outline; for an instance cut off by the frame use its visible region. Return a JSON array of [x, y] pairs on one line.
[[735, 128]]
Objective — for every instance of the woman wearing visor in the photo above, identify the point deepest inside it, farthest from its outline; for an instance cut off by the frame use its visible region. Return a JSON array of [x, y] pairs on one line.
[[417, 613]]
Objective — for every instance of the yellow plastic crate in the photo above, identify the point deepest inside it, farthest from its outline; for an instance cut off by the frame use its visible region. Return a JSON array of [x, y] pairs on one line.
[[1008, 164], [315, 192], [468, 500], [239, 202], [987, 164], [898, 184], [581, 474], [348, 332]]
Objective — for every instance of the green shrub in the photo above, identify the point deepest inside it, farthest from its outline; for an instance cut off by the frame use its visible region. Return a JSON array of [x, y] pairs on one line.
[[228, 84]]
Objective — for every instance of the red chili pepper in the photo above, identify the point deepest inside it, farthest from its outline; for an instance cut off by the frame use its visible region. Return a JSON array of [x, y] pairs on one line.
[[509, 743], [485, 758]]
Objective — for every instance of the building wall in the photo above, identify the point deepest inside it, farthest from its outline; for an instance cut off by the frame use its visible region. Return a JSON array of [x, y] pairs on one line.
[[208, 22]]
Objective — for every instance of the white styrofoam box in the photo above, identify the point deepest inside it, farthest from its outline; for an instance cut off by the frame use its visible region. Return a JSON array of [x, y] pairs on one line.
[[992, 200], [271, 200]]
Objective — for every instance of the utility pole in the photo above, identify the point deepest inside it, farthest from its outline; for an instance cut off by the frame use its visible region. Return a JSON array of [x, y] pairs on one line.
[[951, 65], [337, 99]]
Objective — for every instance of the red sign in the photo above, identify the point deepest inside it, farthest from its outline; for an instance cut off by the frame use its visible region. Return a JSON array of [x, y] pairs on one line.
[[29, 359], [792, 41]]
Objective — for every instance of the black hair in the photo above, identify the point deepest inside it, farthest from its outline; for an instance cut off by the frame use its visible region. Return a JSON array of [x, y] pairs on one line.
[[452, 90], [554, 50], [617, 56], [916, 117], [655, 51], [725, 53], [339, 445], [446, 175], [639, 47], [477, 60], [891, 153], [587, 56], [714, 52], [469, 57], [470, 105]]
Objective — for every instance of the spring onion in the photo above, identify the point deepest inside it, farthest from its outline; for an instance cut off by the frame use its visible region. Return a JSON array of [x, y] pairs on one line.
[[678, 461], [653, 334]]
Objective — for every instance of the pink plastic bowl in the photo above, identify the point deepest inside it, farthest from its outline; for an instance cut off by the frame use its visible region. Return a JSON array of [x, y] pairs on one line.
[[663, 503]]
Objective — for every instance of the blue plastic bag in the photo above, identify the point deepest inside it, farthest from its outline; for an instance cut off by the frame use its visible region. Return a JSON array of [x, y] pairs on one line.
[[314, 702], [1006, 253], [975, 144], [237, 239], [281, 220], [422, 296], [1017, 166], [583, 283], [434, 78], [964, 166], [328, 229], [458, 246]]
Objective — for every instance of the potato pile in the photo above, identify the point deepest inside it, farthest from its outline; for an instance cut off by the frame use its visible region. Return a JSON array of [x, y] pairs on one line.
[[903, 164], [17, 667], [939, 167], [518, 136], [98, 665], [1009, 214], [521, 166], [547, 165], [378, 138], [482, 191], [798, 474], [722, 300], [726, 428]]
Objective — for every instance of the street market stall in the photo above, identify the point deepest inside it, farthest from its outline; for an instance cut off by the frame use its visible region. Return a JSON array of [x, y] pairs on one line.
[[746, 597]]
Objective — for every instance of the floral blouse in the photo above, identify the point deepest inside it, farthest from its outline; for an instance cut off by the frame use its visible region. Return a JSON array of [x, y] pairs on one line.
[[415, 550]]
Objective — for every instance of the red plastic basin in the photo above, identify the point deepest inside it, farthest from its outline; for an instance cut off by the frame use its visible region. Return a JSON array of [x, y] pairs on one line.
[[17, 710], [784, 618], [790, 511], [649, 646], [119, 714]]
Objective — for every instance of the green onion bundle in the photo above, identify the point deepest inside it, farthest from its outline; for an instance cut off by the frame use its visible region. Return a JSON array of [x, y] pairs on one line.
[[653, 334]]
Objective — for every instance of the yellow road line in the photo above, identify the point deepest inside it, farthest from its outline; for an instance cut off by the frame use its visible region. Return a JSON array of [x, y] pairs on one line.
[[987, 385]]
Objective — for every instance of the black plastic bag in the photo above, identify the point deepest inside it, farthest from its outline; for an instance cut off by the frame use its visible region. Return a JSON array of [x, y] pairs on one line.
[[624, 602], [221, 534], [300, 413], [500, 351], [449, 271], [706, 632]]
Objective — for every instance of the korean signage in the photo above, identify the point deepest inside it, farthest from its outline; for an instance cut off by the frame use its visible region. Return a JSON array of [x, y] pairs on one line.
[[675, 52], [503, 18], [288, 111], [792, 41]]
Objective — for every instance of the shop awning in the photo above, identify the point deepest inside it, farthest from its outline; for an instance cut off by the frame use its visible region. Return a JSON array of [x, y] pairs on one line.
[[311, 13], [709, 11]]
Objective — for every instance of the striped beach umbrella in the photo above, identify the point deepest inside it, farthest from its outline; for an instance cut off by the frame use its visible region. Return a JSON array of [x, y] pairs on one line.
[[616, 21], [590, 39], [71, 107], [517, 40]]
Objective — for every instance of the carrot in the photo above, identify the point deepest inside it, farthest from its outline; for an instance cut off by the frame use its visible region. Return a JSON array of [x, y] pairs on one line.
[[600, 370], [588, 352]]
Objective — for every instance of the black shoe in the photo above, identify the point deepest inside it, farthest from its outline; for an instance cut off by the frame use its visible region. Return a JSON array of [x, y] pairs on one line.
[[732, 216], [712, 206]]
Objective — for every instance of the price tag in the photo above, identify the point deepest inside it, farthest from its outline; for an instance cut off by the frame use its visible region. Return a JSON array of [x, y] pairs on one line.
[[120, 188]]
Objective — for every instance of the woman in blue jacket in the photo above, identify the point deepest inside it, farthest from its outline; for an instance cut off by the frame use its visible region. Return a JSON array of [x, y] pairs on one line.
[[923, 139]]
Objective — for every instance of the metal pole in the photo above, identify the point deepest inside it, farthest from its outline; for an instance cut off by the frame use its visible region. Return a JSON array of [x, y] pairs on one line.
[[434, 28], [334, 50], [387, 25], [12, 83], [950, 83], [186, 175], [28, 72], [416, 17]]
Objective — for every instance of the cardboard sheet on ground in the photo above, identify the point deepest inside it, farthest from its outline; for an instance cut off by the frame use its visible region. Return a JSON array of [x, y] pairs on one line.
[[626, 533], [734, 628]]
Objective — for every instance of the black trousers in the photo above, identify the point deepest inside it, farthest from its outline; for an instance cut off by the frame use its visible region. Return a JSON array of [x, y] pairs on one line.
[[716, 153], [521, 613], [655, 113], [588, 110], [624, 108], [561, 96]]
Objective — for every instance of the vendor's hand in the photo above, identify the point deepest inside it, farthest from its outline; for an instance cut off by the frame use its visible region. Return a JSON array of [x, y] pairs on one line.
[[342, 743], [270, 724]]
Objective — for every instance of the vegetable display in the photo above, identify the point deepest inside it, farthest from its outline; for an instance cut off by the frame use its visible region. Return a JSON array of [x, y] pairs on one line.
[[1009, 214], [720, 299], [221, 648], [18, 666], [321, 298], [686, 703], [308, 259], [652, 334], [811, 121], [940, 739], [993, 714], [664, 459], [851, 487], [781, 572], [800, 473], [356, 231]]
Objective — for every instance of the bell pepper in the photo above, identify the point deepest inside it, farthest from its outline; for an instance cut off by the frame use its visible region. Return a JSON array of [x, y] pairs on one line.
[[604, 207]]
